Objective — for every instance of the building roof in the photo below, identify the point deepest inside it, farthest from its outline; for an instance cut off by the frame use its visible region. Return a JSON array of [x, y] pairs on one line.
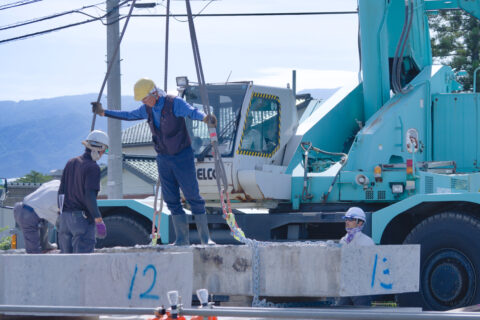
[[138, 134], [142, 166]]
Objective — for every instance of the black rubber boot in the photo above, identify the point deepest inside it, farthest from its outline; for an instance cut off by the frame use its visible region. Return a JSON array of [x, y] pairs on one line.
[[181, 230], [202, 228], [44, 244]]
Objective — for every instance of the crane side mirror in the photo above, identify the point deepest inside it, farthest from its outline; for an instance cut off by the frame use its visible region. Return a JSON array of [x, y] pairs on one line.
[[3, 188]]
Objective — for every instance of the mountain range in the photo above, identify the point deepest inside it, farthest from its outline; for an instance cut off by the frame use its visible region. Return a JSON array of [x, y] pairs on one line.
[[43, 134]]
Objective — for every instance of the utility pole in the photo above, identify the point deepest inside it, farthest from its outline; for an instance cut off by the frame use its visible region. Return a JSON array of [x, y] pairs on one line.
[[114, 182]]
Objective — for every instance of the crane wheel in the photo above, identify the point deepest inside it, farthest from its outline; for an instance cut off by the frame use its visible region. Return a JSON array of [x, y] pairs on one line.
[[124, 231], [449, 262]]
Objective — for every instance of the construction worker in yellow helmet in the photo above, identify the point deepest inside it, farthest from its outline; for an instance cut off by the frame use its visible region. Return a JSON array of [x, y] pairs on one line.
[[165, 115]]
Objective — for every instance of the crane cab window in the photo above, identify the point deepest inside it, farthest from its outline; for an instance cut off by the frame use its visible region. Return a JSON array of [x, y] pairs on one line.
[[225, 102], [261, 130]]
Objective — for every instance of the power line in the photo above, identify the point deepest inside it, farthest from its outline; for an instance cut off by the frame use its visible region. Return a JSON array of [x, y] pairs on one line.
[[17, 4], [48, 31], [176, 15], [29, 35], [27, 22], [194, 16], [253, 14]]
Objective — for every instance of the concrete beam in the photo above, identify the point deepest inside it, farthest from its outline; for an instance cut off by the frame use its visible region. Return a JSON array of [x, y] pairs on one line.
[[108, 277], [298, 269], [132, 279]]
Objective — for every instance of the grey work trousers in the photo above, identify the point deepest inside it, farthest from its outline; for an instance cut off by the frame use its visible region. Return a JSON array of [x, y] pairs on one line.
[[77, 233], [30, 224]]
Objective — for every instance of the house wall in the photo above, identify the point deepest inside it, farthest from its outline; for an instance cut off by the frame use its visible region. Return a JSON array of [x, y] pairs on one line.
[[133, 187], [140, 150]]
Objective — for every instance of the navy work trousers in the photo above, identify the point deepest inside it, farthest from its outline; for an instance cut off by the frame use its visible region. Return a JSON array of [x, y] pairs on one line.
[[29, 223], [178, 172], [76, 233]]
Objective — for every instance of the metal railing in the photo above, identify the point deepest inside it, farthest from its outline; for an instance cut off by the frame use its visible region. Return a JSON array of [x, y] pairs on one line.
[[247, 312]]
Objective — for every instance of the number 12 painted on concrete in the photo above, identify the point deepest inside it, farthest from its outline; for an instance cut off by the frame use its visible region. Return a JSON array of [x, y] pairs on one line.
[[146, 294]]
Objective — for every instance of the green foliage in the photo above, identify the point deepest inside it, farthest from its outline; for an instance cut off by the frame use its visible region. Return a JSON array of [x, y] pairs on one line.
[[35, 177], [5, 242], [456, 42]]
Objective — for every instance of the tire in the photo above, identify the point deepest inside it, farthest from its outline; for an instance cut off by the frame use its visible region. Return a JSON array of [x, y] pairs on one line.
[[449, 262], [123, 231]]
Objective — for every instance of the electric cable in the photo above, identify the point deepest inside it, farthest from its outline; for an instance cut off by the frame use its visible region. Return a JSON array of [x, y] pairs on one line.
[[253, 14], [194, 16], [31, 21], [17, 4], [47, 31], [29, 35]]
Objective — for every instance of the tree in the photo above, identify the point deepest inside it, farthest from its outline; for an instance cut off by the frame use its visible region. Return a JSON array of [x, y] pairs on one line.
[[35, 177], [456, 42]]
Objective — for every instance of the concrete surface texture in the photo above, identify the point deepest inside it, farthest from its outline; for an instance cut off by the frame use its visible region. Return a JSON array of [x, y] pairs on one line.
[[312, 269], [142, 275], [97, 280], [385, 269]]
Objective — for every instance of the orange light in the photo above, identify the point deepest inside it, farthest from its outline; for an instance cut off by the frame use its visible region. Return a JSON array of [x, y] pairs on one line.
[[377, 173], [14, 241], [409, 166]]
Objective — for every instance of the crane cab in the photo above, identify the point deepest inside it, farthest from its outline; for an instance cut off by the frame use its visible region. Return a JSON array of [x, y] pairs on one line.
[[255, 124]]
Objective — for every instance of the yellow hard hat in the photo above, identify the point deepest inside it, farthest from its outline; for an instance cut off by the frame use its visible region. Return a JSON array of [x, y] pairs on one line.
[[142, 88]]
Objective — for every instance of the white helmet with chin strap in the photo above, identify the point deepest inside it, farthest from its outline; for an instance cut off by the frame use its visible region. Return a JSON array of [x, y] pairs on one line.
[[96, 141], [355, 213]]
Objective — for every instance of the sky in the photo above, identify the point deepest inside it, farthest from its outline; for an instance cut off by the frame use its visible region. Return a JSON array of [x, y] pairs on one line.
[[322, 48]]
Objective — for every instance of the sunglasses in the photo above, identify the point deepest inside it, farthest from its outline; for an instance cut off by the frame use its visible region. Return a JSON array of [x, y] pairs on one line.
[[350, 219]]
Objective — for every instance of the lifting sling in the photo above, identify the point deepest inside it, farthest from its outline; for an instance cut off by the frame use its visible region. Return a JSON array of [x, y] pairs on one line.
[[220, 174], [157, 214]]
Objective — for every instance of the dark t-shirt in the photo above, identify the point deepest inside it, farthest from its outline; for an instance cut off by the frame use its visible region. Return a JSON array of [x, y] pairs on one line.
[[80, 173]]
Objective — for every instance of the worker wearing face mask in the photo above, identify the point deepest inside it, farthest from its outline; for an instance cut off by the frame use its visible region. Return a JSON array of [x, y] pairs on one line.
[[354, 222], [80, 218]]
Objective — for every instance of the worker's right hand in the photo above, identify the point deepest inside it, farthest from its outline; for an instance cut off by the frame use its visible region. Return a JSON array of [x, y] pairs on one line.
[[210, 119], [97, 108], [100, 230]]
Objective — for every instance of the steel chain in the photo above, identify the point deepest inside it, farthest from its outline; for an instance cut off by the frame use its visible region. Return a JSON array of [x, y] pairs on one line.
[[221, 179], [255, 245]]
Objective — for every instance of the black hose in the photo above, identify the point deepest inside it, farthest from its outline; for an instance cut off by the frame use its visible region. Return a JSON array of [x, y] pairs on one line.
[[396, 89], [400, 62]]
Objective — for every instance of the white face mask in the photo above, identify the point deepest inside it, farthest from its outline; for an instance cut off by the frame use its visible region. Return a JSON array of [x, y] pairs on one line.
[[95, 151], [95, 155]]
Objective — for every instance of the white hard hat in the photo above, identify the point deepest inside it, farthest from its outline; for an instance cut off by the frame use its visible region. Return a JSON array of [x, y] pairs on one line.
[[355, 213], [98, 138]]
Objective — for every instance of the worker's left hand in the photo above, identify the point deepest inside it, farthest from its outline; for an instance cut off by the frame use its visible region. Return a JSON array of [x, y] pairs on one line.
[[97, 108], [100, 230], [210, 119]]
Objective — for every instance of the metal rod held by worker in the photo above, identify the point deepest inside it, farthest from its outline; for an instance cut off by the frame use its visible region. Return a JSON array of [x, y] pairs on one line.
[[110, 63], [167, 29]]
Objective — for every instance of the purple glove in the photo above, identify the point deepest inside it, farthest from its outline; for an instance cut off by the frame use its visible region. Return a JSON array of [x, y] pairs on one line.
[[101, 230]]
